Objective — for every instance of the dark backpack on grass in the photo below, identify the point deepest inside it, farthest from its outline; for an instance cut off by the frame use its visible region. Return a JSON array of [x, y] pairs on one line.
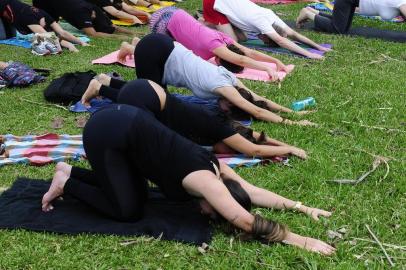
[[69, 88], [19, 74]]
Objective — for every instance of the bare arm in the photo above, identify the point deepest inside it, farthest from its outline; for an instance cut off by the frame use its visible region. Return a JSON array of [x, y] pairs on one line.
[[121, 14], [271, 105], [232, 95], [269, 140], [259, 56], [66, 35], [265, 198], [299, 37], [242, 60], [286, 43], [91, 32], [36, 28], [134, 11], [242, 145]]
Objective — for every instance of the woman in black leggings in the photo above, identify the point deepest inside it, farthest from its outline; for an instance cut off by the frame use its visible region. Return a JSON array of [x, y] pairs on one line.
[[195, 122], [126, 146], [339, 22]]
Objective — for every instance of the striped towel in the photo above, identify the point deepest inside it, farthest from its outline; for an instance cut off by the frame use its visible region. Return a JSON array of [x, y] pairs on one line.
[[49, 148], [43, 149], [329, 6]]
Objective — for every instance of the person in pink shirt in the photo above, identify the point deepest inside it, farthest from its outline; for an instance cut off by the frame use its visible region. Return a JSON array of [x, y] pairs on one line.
[[207, 43]]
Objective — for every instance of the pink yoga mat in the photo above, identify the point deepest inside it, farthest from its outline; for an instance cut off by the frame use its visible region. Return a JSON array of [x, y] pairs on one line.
[[248, 73], [111, 58]]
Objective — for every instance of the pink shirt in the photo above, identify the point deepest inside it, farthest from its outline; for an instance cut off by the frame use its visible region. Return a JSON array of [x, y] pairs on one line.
[[195, 36]]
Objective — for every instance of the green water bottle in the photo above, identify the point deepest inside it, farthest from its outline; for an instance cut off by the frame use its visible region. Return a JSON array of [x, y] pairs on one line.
[[302, 104]]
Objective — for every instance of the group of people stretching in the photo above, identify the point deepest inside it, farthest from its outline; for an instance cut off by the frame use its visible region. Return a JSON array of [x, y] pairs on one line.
[[151, 134]]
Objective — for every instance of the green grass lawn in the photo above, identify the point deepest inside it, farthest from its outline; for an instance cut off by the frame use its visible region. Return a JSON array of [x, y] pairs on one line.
[[361, 83]]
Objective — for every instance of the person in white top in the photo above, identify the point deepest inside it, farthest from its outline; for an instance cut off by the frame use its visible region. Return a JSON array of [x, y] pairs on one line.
[[255, 20], [340, 21]]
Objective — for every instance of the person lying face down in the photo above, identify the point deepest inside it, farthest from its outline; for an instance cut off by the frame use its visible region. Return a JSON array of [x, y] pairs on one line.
[[117, 9], [192, 121], [248, 17], [84, 16], [165, 62], [340, 21], [27, 19], [207, 43], [126, 145]]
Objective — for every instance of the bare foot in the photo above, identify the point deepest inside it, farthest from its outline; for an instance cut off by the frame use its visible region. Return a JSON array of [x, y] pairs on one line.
[[55, 190], [92, 91], [63, 167], [302, 18], [103, 79], [126, 49]]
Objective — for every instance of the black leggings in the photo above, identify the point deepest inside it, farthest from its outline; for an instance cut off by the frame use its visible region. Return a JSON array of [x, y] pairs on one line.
[[113, 187], [150, 56], [138, 93], [341, 20]]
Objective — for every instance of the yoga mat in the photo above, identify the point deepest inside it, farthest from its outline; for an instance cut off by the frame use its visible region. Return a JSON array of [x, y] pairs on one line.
[[43, 149], [258, 75], [20, 208], [16, 42], [154, 7], [24, 41], [111, 58], [366, 32], [328, 7], [122, 23], [259, 45]]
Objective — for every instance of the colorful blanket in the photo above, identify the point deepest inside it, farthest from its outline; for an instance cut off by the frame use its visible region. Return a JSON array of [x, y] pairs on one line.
[[51, 148], [258, 44], [42, 150], [329, 6], [154, 7]]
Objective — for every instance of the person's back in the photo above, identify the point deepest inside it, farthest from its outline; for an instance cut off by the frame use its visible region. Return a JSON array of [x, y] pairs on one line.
[[387, 9], [185, 69], [196, 36], [247, 15]]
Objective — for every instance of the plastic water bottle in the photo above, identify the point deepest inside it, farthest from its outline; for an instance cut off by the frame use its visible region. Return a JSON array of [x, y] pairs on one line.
[[302, 104]]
